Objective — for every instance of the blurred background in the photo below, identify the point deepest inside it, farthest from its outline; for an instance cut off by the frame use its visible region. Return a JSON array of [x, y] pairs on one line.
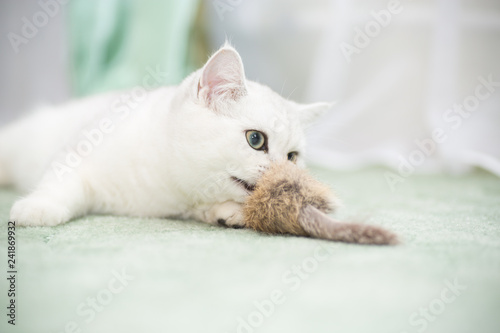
[[417, 83]]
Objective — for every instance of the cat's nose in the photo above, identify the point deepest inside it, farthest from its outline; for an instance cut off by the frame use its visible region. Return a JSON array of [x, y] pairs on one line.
[[272, 159], [277, 158]]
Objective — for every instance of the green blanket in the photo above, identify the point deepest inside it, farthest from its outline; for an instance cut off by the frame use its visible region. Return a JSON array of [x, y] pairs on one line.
[[117, 274], [114, 44]]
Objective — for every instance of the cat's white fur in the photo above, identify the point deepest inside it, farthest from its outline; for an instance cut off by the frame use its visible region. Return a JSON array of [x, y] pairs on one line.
[[173, 155]]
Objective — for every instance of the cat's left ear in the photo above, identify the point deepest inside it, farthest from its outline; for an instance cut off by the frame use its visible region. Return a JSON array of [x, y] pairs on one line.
[[222, 78], [309, 113]]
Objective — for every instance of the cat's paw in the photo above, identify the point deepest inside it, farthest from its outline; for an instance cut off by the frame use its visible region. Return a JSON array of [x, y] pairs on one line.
[[230, 214], [38, 212]]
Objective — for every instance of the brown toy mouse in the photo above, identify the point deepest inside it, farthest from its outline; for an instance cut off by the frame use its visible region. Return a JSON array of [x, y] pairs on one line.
[[287, 200]]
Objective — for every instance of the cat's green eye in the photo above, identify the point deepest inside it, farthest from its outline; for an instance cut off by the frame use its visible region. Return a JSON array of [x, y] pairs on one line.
[[292, 156], [256, 140]]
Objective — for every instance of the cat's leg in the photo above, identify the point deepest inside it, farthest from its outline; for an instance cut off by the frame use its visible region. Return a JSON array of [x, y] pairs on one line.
[[228, 213], [52, 203]]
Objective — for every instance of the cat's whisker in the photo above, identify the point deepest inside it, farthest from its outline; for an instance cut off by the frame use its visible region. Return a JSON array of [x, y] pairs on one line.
[[291, 93], [283, 86]]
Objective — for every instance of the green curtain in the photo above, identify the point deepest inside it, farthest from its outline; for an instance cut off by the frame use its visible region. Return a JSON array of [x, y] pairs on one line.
[[114, 42]]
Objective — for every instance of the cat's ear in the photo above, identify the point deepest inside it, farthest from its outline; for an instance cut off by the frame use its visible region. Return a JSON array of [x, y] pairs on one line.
[[309, 113], [222, 78]]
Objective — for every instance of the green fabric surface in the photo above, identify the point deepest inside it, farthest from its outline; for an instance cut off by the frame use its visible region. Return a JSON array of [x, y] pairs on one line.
[[192, 277], [113, 43]]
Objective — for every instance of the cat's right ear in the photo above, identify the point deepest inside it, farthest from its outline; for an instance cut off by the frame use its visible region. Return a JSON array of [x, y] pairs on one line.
[[309, 113], [222, 79]]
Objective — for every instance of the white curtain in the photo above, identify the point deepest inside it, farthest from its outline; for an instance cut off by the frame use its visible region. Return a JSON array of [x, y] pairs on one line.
[[35, 72], [417, 83]]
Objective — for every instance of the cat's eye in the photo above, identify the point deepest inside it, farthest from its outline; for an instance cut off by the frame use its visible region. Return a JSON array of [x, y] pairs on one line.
[[256, 140], [292, 156]]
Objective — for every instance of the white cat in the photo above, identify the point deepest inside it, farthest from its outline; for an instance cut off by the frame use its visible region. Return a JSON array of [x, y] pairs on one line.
[[191, 151]]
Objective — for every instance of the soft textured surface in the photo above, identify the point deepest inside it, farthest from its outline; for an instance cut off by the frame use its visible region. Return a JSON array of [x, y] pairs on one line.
[[192, 277]]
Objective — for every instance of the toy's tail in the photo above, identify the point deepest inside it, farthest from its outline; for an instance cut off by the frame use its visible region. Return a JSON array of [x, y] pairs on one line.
[[319, 225]]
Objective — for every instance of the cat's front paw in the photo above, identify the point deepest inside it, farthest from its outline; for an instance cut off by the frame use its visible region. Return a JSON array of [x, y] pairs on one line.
[[38, 212], [230, 214]]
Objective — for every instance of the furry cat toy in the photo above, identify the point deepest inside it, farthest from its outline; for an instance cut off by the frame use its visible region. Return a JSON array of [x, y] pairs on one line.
[[287, 200]]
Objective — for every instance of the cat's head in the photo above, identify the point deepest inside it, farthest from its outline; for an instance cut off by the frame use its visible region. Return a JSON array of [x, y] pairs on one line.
[[239, 127]]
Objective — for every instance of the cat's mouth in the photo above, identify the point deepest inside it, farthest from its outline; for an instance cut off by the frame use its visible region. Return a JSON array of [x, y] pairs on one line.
[[244, 184]]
